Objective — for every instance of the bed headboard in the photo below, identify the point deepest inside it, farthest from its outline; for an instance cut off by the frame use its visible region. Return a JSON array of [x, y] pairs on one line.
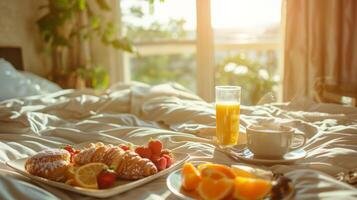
[[13, 55]]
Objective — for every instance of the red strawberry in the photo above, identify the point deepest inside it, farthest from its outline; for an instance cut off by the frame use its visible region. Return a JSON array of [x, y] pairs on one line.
[[106, 179], [144, 152], [161, 164], [166, 152], [74, 153], [124, 147], [69, 149], [154, 158], [155, 146], [169, 160]]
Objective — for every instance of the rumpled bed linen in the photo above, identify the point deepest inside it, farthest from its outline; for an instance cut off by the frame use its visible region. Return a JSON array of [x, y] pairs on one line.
[[137, 112]]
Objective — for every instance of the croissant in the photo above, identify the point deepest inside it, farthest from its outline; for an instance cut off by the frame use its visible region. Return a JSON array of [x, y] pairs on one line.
[[127, 164]]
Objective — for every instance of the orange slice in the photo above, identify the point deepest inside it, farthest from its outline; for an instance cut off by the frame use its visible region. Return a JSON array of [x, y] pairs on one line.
[[241, 172], [86, 175], [251, 188], [211, 189], [191, 177], [212, 173], [201, 166], [216, 171]]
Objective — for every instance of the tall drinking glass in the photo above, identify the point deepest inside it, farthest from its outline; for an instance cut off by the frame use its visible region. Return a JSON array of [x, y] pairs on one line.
[[227, 114]]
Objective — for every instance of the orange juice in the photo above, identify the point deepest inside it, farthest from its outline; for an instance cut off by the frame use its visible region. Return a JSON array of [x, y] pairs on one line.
[[227, 123]]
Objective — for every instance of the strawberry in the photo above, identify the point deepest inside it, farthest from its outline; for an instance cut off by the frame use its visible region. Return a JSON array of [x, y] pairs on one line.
[[155, 146], [69, 149], [144, 152], [166, 152], [124, 147], [169, 160], [75, 152], [161, 164], [154, 158], [106, 179]]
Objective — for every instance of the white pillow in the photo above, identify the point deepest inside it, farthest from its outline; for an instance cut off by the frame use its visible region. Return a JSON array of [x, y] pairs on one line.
[[15, 84]]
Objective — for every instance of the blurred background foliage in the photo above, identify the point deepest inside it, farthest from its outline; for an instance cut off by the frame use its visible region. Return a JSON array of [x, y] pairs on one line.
[[157, 31], [163, 68], [255, 79]]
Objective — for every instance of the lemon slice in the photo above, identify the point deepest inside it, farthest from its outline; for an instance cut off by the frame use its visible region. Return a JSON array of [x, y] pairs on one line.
[[86, 175], [70, 172], [70, 182]]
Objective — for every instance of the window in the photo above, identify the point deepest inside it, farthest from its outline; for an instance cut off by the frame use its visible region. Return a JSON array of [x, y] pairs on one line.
[[246, 34], [245, 44], [164, 35]]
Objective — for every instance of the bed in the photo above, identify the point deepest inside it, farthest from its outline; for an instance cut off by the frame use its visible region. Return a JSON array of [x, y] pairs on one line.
[[137, 112]]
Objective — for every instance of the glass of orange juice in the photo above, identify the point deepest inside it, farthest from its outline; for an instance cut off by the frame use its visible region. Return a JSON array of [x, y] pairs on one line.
[[227, 114]]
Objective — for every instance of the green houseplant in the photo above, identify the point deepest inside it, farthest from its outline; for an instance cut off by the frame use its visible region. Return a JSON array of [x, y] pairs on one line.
[[66, 25]]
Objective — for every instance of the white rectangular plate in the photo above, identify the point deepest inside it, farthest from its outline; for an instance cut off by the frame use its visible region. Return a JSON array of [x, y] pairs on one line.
[[120, 187]]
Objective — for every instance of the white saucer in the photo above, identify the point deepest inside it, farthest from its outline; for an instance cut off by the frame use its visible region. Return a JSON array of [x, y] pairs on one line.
[[290, 157]]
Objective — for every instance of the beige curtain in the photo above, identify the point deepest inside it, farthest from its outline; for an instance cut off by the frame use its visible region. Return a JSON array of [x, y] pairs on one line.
[[92, 51], [320, 46]]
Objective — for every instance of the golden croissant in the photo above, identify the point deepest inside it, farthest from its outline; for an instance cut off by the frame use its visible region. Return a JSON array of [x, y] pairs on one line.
[[127, 164]]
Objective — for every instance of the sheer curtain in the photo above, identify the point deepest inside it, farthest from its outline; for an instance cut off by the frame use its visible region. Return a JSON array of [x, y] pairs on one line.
[[92, 51], [320, 46]]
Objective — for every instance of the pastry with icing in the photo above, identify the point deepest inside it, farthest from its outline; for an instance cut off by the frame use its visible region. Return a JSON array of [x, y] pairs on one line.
[[49, 163]]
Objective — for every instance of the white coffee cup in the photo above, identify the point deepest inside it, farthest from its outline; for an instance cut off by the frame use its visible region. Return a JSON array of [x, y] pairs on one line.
[[272, 141]]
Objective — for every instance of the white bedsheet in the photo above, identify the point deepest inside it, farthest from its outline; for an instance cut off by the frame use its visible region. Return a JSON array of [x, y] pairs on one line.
[[137, 112]]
